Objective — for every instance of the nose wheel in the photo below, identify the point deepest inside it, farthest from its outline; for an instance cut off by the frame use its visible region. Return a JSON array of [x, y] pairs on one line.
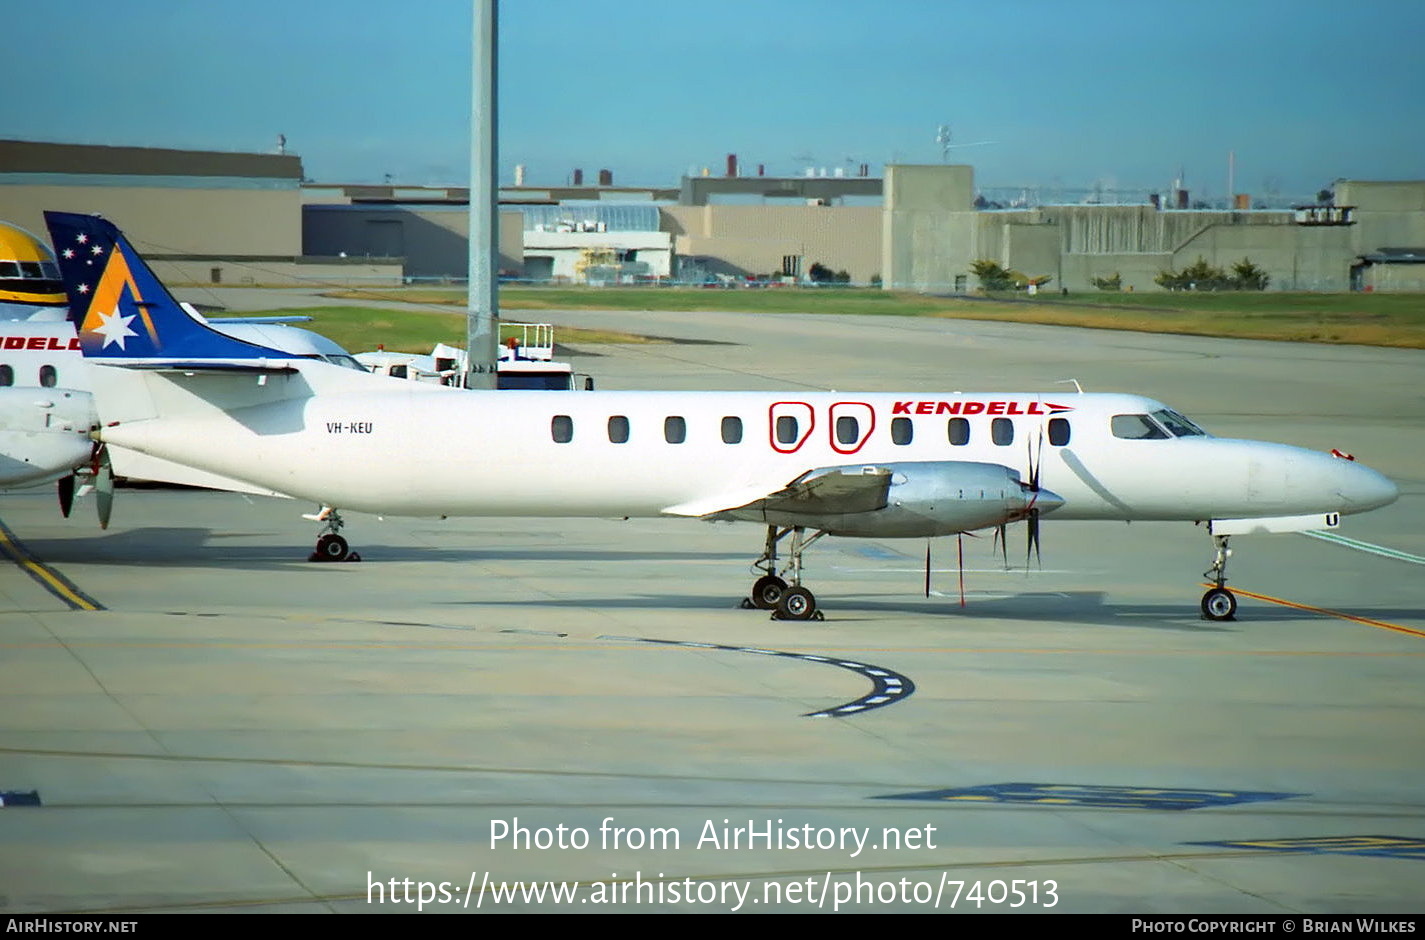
[[1219, 603], [330, 546]]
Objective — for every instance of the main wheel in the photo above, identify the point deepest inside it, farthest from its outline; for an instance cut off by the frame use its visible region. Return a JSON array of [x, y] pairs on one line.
[[796, 604], [767, 591], [331, 547], [1219, 604]]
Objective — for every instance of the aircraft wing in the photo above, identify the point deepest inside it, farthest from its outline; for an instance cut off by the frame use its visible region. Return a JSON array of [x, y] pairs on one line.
[[828, 491]]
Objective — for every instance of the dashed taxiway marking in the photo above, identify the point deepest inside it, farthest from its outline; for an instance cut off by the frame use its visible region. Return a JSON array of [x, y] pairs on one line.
[[887, 687]]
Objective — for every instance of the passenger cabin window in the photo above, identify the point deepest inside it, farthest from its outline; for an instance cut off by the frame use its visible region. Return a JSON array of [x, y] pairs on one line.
[[959, 431], [618, 429], [902, 431], [1058, 431], [787, 429], [7, 376], [848, 430], [732, 430], [1137, 428], [675, 429], [562, 429], [1002, 431], [48, 376]]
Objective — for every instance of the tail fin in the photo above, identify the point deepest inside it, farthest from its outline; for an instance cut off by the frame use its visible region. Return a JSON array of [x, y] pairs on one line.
[[120, 308]]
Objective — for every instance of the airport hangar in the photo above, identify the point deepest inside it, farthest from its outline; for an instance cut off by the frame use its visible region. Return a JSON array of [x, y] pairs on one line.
[[206, 217]]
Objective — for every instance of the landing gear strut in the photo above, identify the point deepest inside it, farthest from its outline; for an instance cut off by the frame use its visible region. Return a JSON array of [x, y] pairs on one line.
[[330, 546], [772, 591], [1219, 603]]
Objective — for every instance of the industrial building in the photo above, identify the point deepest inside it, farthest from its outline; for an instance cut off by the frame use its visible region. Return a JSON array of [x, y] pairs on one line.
[[205, 217], [198, 216], [933, 234], [620, 233]]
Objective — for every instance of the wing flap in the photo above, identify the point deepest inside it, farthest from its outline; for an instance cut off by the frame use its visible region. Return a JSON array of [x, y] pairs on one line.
[[829, 491]]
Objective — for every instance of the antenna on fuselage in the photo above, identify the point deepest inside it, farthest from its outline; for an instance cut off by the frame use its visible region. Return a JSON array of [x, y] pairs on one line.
[[1073, 382]]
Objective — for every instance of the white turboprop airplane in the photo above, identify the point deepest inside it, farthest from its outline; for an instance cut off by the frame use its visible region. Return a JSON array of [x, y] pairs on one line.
[[875, 465]]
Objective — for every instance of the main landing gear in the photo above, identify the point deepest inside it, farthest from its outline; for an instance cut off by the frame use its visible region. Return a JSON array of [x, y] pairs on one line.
[[330, 546], [1219, 603], [771, 591]]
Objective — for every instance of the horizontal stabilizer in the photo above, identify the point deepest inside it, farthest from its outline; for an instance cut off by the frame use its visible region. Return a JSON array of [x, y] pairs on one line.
[[257, 367]]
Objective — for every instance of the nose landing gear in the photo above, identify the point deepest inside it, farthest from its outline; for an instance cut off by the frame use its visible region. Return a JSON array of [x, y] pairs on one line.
[[330, 546], [1219, 603]]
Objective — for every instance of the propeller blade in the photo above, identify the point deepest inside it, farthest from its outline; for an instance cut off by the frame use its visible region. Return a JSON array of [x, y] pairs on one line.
[[1031, 516], [927, 567], [960, 553], [1039, 457], [103, 486], [66, 494]]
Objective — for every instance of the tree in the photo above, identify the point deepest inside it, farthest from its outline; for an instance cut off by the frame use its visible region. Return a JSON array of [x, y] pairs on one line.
[[1108, 283], [1202, 276], [992, 276], [820, 273], [1247, 276]]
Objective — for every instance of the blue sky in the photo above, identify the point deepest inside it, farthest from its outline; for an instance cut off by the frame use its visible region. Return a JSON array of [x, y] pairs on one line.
[[1070, 93]]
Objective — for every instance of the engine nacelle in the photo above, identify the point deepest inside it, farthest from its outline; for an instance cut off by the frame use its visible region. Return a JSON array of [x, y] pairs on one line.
[[44, 434], [927, 499]]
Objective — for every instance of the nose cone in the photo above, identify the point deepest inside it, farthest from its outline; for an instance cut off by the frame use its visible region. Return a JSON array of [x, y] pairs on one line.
[[1363, 488], [1044, 500]]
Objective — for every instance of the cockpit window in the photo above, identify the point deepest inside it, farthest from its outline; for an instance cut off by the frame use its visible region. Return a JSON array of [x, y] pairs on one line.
[[1177, 425], [1137, 428], [346, 362]]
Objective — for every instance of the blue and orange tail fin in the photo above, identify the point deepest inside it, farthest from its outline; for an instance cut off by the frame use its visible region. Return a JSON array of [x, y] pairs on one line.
[[120, 308]]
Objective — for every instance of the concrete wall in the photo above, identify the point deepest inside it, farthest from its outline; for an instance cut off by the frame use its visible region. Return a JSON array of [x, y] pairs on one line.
[[929, 230], [1394, 277], [1388, 214], [1296, 257], [742, 240]]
